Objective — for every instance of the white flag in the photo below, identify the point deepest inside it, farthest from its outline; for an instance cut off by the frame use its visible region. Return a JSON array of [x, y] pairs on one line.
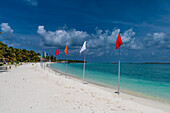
[[83, 47]]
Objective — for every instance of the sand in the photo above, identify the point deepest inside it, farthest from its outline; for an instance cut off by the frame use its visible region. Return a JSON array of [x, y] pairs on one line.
[[30, 89]]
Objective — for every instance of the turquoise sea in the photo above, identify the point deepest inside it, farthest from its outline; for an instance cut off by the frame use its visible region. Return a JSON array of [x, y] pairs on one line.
[[147, 80]]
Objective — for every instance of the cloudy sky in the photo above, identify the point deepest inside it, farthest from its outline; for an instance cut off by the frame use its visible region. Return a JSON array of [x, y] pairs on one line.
[[41, 25]]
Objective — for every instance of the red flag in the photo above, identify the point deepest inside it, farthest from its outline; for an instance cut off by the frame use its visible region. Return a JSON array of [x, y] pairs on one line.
[[118, 41], [57, 51]]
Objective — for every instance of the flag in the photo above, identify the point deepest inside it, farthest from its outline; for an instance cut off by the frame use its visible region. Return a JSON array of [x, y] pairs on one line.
[[118, 41], [66, 50], [41, 56], [57, 51], [83, 47], [45, 54]]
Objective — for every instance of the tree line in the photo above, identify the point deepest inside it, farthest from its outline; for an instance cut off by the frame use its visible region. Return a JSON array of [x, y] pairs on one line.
[[10, 54]]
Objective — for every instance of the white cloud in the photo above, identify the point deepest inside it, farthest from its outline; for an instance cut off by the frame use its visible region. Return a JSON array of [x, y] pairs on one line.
[[108, 38], [135, 45], [98, 43], [7, 32], [159, 40], [158, 36], [102, 38], [31, 2], [6, 28], [104, 42], [9, 37], [128, 36], [62, 37]]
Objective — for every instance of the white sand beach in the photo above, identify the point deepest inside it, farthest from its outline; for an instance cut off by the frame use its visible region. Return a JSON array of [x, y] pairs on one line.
[[29, 89]]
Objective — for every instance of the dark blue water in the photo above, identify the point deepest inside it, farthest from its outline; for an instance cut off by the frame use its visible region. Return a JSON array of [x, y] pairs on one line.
[[148, 80]]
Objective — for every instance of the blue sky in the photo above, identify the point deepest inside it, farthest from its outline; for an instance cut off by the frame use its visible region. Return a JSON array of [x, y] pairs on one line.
[[47, 24]]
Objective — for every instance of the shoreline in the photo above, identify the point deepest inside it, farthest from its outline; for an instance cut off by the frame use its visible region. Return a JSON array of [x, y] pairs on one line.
[[129, 95], [29, 88]]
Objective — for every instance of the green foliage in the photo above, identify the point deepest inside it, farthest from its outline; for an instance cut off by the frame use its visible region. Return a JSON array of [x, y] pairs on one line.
[[17, 62], [11, 54], [71, 61], [1, 64], [51, 57], [12, 62]]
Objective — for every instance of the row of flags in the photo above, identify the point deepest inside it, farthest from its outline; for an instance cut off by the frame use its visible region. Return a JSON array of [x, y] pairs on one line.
[[118, 43], [83, 48], [66, 49], [44, 55]]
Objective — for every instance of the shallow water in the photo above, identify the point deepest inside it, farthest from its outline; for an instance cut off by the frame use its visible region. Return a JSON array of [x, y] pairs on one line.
[[149, 80]]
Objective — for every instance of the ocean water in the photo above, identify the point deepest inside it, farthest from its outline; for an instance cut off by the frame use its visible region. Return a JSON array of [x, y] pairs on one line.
[[146, 80]]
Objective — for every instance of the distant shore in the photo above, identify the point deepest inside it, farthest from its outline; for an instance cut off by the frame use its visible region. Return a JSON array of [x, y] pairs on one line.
[[155, 63], [142, 63], [70, 61]]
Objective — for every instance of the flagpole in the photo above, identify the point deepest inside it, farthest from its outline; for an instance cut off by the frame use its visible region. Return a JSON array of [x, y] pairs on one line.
[[119, 74], [44, 65], [50, 56], [66, 66], [84, 64]]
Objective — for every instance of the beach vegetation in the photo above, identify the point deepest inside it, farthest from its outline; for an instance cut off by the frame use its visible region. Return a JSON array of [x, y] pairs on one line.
[[17, 62], [10, 54], [12, 62], [71, 61], [1, 64]]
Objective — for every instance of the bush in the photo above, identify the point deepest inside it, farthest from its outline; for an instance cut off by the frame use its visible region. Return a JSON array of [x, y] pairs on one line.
[[25, 61], [12, 62], [17, 62]]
